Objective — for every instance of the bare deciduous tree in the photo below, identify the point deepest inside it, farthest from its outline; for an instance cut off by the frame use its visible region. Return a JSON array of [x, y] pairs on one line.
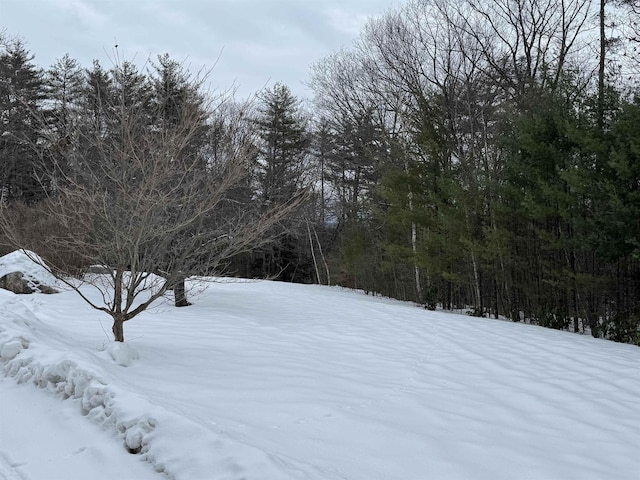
[[149, 200]]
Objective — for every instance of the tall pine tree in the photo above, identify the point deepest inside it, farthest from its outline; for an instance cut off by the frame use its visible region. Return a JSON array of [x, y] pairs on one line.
[[21, 96], [283, 149]]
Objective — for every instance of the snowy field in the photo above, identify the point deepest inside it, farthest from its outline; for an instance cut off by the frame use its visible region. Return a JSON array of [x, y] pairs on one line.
[[268, 381]]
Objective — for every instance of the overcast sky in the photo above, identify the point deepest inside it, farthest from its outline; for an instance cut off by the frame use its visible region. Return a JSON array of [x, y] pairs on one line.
[[258, 42]]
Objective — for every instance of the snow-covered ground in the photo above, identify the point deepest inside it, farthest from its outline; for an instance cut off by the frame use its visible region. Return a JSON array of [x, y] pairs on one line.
[[269, 381]]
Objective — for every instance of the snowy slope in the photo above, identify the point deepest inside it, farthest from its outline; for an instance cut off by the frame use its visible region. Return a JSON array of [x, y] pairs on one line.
[[265, 380]]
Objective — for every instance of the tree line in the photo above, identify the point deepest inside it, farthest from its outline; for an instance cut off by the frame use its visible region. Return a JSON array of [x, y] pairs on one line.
[[133, 180], [474, 156], [495, 167]]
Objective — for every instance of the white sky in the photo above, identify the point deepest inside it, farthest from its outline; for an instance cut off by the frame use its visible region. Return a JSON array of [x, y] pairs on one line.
[[259, 42]]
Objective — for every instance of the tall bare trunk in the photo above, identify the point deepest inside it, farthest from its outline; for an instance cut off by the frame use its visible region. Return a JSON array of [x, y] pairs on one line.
[[324, 260], [601, 66], [313, 255], [476, 283], [414, 244], [416, 269]]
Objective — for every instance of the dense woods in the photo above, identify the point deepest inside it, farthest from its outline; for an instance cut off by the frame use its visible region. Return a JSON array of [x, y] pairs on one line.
[[474, 156]]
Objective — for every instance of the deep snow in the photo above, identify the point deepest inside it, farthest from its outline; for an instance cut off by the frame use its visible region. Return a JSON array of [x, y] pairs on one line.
[[266, 380], [44, 438]]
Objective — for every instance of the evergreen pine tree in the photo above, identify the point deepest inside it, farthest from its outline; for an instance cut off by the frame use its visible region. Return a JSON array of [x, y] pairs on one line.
[[65, 82], [283, 150], [21, 96], [284, 143]]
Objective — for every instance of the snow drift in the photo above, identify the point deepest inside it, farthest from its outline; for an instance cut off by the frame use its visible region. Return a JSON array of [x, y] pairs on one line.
[[269, 380]]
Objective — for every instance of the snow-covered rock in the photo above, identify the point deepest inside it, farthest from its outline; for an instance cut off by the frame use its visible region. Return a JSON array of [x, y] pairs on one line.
[[23, 271]]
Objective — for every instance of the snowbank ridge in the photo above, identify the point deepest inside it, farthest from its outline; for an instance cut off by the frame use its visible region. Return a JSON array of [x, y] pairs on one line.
[[65, 379]]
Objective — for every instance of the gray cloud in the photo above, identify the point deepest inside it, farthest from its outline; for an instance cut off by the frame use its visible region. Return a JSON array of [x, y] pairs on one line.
[[261, 41]]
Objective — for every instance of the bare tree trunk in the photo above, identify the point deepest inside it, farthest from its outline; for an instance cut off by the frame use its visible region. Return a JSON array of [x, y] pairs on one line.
[[118, 329], [313, 255], [476, 284], [602, 63], [324, 260], [416, 268], [414, 245], [180, 292]]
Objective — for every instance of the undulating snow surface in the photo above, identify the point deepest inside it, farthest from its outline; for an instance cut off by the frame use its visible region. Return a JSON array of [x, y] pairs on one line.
[[269, 381]]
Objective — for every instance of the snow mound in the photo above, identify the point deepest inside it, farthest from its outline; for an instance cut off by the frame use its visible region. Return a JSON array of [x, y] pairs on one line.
[[123, 354], [68, 380], [26, 360], [32, 266], [12, 348]]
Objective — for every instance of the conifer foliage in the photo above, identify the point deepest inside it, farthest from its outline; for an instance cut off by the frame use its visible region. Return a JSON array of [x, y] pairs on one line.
[[21, 96]]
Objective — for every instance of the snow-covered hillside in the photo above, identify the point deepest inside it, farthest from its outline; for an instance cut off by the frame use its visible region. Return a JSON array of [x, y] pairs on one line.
[[265, 380]]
